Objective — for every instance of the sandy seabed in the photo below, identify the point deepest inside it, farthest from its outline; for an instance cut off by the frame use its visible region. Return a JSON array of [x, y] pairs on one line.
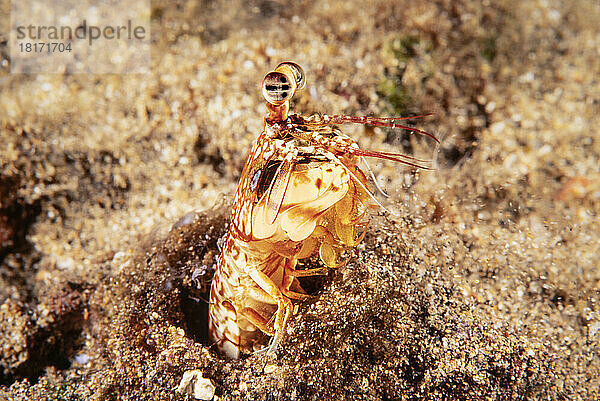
[[486, 287]]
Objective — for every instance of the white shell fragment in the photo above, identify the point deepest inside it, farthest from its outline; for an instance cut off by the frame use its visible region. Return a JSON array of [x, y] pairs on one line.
[[194, 384]]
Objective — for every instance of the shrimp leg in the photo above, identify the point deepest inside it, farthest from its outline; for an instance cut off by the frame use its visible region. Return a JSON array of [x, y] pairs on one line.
[[289, 281], [284, 305]]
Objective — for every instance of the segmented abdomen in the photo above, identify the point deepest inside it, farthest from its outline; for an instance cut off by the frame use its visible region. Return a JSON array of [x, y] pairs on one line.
[[235, 296]]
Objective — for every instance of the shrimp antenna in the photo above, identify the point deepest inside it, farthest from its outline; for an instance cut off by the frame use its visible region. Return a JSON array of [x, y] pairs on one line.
[[397, 157], [373, 177], [386, 122]]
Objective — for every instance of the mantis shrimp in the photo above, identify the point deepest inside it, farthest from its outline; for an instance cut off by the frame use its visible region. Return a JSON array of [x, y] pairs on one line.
[[301, 192]]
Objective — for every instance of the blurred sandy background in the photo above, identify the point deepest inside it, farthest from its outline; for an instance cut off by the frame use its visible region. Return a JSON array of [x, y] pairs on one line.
[[487, 288]]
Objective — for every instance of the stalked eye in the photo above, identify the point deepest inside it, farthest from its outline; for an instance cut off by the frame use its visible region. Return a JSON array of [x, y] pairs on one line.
[[296, 70], [255, 178], [278, 87]]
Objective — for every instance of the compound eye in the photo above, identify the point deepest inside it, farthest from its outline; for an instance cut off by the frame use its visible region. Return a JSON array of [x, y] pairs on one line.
[[278, 87], [296, 70]]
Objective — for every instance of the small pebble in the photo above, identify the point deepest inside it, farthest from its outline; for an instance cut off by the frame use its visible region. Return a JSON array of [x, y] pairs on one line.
[[194, 384]]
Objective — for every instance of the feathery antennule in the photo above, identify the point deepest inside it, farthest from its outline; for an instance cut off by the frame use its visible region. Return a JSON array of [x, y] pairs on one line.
[[385, 122]]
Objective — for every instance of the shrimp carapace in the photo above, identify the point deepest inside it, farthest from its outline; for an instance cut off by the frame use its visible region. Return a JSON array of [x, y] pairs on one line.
[[301, 192]]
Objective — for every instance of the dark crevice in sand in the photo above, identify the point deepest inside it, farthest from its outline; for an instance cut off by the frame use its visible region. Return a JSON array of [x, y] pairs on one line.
[[53, 343]]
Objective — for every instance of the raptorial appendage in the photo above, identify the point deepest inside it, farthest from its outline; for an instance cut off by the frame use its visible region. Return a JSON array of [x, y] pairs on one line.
[[301, 192]]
